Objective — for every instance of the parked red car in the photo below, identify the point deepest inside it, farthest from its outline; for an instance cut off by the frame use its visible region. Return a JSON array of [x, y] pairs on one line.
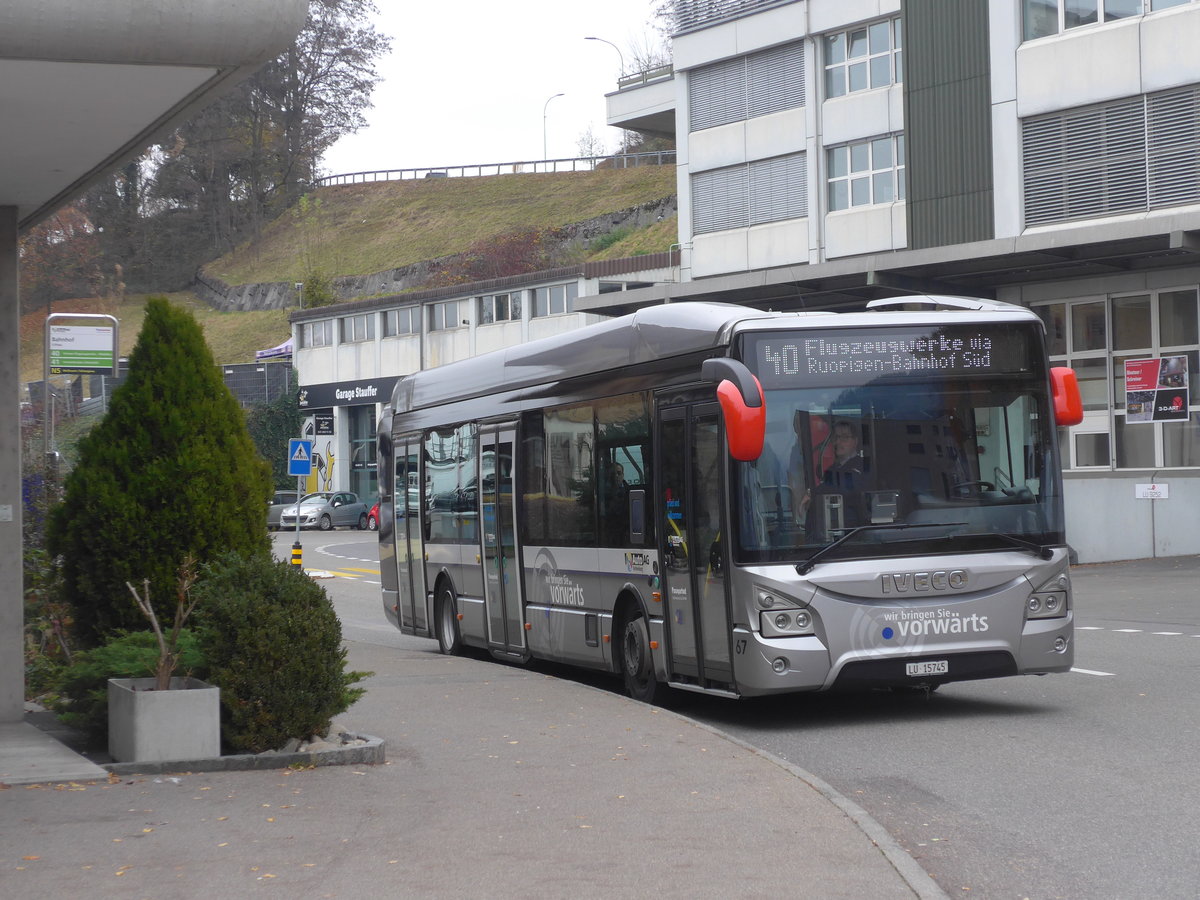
[[373, 517]]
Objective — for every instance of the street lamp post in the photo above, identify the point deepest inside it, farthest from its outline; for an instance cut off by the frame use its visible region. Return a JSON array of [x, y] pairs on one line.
[[614, 46], [300, 292], [544, 107]]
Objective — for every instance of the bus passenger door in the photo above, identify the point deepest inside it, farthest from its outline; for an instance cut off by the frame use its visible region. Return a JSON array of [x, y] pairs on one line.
[[498, 536], [689, 503], [409, 539]]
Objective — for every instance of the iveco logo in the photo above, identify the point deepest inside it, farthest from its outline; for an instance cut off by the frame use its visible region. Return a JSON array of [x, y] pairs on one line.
[[918, 582]]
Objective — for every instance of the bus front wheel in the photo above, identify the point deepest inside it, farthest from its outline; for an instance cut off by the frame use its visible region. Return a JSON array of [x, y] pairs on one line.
[[449, 637], [636, 663]]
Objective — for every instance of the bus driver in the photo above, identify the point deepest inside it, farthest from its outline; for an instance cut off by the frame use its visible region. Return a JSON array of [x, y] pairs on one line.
[[843, 479]]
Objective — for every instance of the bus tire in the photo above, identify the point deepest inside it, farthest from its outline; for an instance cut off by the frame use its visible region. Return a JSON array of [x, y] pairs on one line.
[[449, 635], [637, 665]]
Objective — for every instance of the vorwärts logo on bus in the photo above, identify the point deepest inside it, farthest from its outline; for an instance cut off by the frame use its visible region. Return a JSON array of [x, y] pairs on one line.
[[928, 622], [555, 588], [889, 630]]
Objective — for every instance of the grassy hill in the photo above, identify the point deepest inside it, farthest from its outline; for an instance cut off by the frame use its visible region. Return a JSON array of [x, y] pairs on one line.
[[361, 229], [366, 228]]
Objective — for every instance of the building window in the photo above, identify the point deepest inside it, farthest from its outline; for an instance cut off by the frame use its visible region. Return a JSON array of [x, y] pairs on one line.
[[356, 329], [500, 308], [317, 334], [1130, 155], [555, 300], [1042, 18], [866, 173], [1127, 425], [766, 190], [444, 316], [364, 479], [406, 320], [863, 58], [746, 87]]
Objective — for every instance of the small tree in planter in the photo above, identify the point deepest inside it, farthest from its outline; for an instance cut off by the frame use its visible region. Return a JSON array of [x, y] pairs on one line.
[[168, 647], [164, 717]]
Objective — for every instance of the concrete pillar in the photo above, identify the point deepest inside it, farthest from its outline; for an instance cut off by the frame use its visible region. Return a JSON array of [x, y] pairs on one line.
[[12, 607]]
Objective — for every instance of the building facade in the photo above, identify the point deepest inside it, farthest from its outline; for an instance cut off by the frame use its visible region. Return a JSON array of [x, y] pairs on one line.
[[1042, 152], [350, 356]]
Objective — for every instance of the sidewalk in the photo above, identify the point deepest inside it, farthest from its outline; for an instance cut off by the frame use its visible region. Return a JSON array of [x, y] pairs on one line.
[[500, 782]]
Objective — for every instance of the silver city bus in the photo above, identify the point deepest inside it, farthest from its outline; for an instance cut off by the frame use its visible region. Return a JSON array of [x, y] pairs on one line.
[[740, 502]]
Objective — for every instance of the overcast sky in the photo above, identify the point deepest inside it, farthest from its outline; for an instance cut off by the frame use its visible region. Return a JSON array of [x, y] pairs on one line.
[[467, 81]]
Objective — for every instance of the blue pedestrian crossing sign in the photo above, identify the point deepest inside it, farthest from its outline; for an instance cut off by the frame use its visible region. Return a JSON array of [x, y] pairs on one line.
[[299, 457]]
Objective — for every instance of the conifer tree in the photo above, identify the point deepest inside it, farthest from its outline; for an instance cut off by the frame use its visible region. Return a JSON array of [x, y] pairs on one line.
[[169, 472]]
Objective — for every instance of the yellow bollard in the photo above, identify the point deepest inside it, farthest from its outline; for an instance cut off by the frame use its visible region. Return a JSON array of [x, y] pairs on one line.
[[297, 555]]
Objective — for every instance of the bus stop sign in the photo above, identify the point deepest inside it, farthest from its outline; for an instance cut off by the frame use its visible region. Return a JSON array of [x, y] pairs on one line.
[[299, 457]]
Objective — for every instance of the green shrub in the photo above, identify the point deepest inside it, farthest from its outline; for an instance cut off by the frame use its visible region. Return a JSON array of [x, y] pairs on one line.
[[604, 241], [83, 689], [169, 472], [274, 647], [318, 289]]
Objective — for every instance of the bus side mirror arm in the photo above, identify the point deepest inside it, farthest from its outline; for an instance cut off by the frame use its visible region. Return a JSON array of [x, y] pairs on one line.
[[743, 406]]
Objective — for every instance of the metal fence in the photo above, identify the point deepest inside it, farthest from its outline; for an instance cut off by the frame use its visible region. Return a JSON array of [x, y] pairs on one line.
[[577, 164], [637, 79]]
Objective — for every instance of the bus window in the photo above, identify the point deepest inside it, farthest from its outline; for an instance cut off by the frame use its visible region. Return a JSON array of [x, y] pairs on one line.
[[450, 467], [623, 443], [570, 475]]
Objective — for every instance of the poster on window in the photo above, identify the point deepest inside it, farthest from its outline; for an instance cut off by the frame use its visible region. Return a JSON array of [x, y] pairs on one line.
[[1156, 390]]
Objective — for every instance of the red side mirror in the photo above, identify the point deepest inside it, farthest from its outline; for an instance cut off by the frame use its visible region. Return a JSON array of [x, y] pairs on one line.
[[1068, 404], [745, 425]]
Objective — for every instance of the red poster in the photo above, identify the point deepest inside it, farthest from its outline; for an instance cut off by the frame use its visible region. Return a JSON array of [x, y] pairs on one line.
[[1156, 390]]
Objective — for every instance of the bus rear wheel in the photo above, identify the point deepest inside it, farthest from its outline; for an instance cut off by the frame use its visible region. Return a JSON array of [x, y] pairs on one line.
[[449, 637], [637, 666]]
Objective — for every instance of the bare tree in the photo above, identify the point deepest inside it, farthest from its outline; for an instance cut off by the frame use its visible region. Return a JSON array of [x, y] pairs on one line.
[[589, 144], [219, 176]]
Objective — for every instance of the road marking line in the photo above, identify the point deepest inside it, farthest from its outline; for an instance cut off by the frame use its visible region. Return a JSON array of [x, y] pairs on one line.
[[1128, 630], [367, 571], [1169, 633], [1088, 628], [1090, 672]]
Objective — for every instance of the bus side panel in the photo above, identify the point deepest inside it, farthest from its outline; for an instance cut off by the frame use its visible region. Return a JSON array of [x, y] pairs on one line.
[[564, 599], [571, 596]]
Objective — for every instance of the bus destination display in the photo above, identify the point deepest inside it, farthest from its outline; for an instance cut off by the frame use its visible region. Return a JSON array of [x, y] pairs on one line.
[[817, 358]]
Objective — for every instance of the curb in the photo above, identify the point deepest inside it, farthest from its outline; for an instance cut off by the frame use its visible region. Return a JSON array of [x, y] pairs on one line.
[[918, 880], [373, 752], [909, 870]]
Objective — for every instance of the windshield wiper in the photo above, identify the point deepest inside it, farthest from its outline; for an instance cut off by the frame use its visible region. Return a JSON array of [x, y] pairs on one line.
[[805, 567], [1039, 550]]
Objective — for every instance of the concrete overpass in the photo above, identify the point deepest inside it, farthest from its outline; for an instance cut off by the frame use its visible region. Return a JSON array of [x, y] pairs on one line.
[[85, 85]]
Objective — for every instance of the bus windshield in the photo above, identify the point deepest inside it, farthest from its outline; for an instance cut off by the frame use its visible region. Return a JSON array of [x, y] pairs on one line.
[[891, 442]]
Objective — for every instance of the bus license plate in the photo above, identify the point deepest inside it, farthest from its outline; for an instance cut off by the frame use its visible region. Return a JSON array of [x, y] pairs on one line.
[[932, 667]]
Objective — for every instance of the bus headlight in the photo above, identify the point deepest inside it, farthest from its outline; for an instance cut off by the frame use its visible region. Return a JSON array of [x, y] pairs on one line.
[[1047, 605], [1050, 600], [789, 623]]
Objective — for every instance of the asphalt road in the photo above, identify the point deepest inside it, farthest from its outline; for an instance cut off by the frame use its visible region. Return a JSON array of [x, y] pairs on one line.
[[1070, 786]]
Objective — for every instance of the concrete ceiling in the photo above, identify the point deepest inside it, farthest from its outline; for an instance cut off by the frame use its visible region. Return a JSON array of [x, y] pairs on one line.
[[85, 85]]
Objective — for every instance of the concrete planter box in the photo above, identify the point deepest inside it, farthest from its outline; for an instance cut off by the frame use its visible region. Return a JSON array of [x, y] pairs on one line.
[[145, 725]]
